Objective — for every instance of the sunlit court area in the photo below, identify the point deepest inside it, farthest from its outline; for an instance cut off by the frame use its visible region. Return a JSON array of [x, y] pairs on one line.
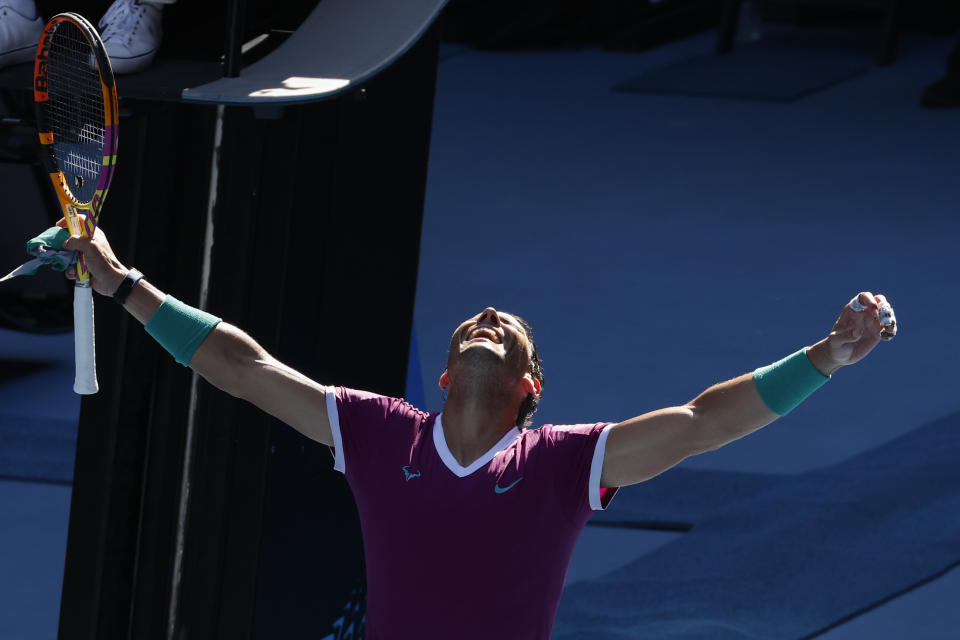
[[664, 195]]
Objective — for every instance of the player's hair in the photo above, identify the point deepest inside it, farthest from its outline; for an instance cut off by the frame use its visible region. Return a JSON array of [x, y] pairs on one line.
[[529, 405]]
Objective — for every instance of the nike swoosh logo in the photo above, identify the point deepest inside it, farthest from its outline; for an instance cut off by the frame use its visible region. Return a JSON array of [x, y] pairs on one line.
[[500, 489]]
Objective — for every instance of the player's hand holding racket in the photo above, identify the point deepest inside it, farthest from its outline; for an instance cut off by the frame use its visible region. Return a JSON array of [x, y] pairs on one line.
[[103, 267], [76, 104]]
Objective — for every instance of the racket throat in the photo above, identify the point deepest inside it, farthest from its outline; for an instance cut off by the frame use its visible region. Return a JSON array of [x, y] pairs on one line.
[[78, 228], [73, 220]]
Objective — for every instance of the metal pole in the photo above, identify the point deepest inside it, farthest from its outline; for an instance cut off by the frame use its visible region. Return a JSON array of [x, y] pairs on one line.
[[176, 581]]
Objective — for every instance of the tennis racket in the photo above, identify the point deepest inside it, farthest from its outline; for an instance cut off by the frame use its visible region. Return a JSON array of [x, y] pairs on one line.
[[76, 104]]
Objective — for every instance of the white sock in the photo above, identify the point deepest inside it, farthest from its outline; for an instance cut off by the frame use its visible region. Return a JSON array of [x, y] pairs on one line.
[[27, 8]]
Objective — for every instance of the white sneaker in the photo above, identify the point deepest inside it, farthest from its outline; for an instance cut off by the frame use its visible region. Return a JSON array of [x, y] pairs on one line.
[[19, 36], [131, 32]]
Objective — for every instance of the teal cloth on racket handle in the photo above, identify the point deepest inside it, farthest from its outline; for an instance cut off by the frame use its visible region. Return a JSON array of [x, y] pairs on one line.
[[48, 250], [785, 384], [180, 328], [52, 238]]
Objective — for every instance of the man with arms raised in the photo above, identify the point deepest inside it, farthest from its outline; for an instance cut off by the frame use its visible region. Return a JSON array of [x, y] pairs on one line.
[[468, 519]]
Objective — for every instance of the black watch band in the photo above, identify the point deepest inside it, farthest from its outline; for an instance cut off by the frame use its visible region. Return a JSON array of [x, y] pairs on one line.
[[126, 285]]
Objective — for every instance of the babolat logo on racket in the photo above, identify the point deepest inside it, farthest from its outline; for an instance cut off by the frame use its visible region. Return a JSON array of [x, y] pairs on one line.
[[40, 72]]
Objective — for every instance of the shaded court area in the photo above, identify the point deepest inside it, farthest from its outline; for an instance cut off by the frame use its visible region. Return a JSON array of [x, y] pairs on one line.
[[38, 431], [34, 535]]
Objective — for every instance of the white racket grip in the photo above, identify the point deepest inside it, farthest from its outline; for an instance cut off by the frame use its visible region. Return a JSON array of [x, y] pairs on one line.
[[86, 381]]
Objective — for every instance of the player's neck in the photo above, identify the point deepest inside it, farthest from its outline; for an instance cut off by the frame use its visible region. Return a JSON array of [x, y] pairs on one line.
[[473, 423]]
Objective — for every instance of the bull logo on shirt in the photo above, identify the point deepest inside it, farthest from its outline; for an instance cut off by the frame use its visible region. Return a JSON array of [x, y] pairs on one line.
[[409, 474]]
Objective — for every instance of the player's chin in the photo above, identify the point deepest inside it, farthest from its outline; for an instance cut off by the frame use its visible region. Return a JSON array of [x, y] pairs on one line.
[[486, 355], [480, 347]]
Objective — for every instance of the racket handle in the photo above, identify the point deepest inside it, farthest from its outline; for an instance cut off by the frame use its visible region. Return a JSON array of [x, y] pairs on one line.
[[86, 381]]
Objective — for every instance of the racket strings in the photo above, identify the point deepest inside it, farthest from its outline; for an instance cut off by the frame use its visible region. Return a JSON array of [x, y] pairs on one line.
[[75, 110]]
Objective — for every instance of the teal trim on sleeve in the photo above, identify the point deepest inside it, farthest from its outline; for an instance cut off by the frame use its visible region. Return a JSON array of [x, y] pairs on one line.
[[180, 328], [785, 384]]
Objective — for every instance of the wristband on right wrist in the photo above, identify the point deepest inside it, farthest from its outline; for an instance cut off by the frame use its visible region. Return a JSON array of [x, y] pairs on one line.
[[785, 384], [126, 285], [180, 328]]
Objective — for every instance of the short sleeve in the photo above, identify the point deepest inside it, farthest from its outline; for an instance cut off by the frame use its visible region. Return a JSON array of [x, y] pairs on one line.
[[576, 452], [359, 420]]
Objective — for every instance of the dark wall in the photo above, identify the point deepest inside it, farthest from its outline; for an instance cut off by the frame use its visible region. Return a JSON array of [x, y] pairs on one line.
[[641, 24]]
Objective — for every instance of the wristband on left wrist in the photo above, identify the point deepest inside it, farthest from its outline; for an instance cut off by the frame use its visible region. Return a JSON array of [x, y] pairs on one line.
[[785, 384]]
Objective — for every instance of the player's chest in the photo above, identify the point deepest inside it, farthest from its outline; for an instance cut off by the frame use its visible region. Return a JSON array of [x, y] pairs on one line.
[[423, 482]]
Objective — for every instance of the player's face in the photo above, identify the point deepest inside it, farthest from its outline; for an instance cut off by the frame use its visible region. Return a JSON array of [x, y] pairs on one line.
[[493, 332]]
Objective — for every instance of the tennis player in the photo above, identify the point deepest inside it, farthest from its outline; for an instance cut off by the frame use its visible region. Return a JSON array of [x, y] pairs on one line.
[[468, 519]]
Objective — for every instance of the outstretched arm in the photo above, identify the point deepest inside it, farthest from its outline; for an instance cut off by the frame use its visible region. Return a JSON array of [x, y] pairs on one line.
[[227, 358], [643, 447]]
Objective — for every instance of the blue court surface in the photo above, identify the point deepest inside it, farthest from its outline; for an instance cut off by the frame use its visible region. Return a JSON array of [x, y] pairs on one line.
[[659, 241]]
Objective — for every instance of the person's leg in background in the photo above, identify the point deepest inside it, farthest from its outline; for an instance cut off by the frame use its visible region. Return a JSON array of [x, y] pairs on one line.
[[20, 29], [132, 31]]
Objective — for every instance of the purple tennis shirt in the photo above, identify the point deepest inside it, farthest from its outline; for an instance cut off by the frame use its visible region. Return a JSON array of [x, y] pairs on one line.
[[463, 552]]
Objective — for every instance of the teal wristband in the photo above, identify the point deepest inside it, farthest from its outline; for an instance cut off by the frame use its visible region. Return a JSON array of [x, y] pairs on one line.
[[180, 328], [785, 384]]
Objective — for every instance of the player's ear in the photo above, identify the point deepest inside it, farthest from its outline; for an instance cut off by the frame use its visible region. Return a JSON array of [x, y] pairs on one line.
[[444, 379], [531, 385]]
